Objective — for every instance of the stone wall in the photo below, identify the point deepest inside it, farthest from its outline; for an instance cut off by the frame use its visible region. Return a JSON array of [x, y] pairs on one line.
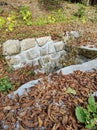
[[42, 53]]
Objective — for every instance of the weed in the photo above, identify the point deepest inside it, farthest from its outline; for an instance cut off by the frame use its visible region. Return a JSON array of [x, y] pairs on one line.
[[88, 116], [4, 84], [2, 22], [11, 21], [81, 11], [9, 70], [26, 15], [40, 21], [1, 9], [59, 15], [51, 19]]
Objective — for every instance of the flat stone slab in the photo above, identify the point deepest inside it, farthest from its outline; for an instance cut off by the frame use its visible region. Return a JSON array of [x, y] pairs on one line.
[[85, 51]]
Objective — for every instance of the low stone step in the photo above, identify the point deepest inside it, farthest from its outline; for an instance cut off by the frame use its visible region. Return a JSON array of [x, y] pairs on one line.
[[85, 51]]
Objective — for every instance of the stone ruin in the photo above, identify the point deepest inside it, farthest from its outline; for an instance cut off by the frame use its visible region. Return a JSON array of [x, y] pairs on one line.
[[43, 53]]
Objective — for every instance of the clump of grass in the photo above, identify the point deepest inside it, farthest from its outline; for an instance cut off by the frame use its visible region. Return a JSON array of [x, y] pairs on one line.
[[5, 84]]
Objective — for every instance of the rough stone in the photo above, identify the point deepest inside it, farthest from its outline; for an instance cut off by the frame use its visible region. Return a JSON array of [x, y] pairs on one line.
[[15, 60], [59, 45], [63, 53], [56, 55], [11, 47], [27, 43], [35, 62], [32, 53], [75, 34], [43, 40], [44, 60], [44, 50], [51, 48], [46, 68], [15, 67]]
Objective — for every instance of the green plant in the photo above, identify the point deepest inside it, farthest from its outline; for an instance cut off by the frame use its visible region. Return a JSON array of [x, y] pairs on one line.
[[26, 15], [40, 21], [51, 19], [4, 84], [88, 116], [2, 22], [81, 10], [11, 21], [57, 16]]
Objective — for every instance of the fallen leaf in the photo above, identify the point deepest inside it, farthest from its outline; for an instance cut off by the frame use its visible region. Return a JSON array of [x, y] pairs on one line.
[[40, 122], [72, 91], [7, 108]]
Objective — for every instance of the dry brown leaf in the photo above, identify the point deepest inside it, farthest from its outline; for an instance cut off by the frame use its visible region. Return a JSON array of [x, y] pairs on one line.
[[7, 108], [29, 124], [40, 122]]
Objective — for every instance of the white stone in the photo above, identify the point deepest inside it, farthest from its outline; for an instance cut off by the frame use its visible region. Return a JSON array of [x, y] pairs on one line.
[[21, 89], [15, 67], [55, 55], [87, 66], [51, 48], [44, 60], [11, 47], [75, 34], [44, 50], [59, 45], [15, 60], [43, 40], [63, 52], [27, 43], [35, 62], [46, 68], [32, 53]]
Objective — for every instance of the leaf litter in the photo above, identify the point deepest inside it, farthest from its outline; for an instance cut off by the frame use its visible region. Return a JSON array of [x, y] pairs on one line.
[[48, 106]]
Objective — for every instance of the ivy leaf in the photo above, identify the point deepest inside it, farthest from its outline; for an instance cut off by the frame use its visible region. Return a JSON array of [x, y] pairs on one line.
[[91, 108], [91, 101], [91, 104], [90, 124], [70, 90], [80, 114]]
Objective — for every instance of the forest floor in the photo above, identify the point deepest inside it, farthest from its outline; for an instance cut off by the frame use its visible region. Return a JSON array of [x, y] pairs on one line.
[[86, 25]]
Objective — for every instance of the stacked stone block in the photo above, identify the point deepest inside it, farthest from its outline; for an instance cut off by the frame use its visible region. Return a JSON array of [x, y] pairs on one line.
[[42, 52]]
